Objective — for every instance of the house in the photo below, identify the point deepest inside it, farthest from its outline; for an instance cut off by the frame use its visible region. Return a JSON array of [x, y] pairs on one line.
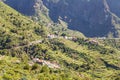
[[93, 41], [36, 60], [51, 36]]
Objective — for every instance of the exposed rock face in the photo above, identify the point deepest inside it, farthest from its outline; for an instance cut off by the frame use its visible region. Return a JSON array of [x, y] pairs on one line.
[[94, 18], [91, 17]]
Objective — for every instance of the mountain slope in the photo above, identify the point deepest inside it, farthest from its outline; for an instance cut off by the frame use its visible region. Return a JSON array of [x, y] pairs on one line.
[[17, 32], [33, 8], [24, 46], [19, 45], [41, 14], [15, 28], [94, 18]]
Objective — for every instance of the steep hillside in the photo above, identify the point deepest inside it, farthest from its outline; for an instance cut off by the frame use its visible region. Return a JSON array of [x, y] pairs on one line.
[[20, 39], [29, 9], [15, 29], [33, 8], [29, 52], [38, 12], [94, 18]]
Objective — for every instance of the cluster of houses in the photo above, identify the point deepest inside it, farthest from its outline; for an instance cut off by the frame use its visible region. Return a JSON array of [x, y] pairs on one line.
[[52, 36], [48, 63]]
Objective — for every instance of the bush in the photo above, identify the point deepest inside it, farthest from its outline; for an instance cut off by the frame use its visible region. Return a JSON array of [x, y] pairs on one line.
[[7, 77], [34, 67], [26, 67], [45, 69]]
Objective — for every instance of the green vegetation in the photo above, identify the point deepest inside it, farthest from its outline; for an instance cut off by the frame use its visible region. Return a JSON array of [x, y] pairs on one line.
[[14, 69], [22, 39]]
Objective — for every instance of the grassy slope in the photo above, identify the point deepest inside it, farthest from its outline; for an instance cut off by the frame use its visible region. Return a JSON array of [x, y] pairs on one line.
[[96, 56], [78, 61], [15, 26]]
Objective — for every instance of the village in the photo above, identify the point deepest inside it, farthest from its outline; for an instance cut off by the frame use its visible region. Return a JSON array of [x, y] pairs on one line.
[[52, 36], [48, 63], [90, 40]]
